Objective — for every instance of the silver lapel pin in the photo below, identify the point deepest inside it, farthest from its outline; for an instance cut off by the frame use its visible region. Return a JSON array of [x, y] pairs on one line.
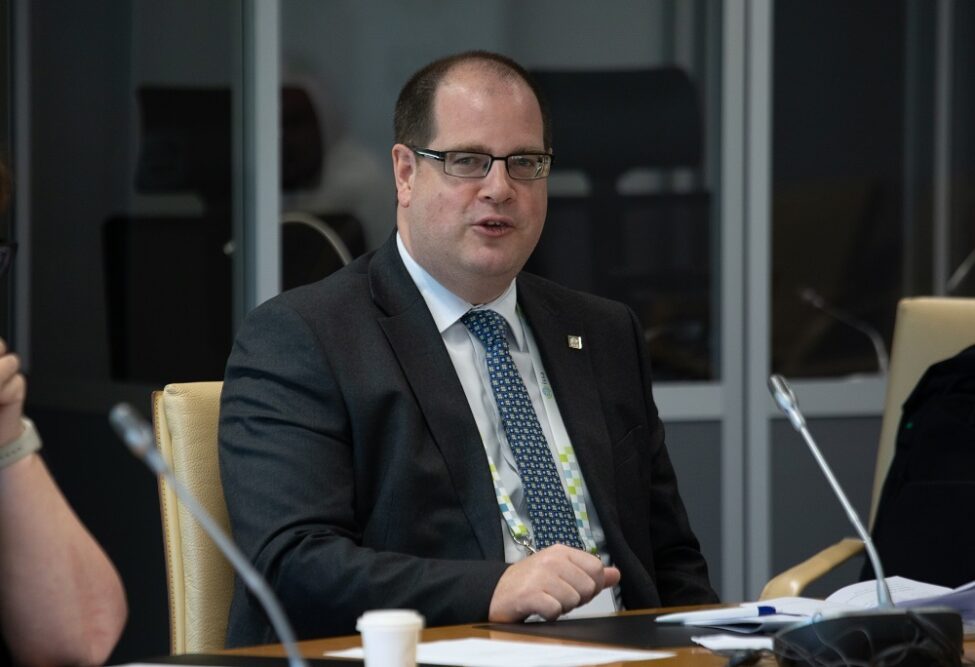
[[575, 342]]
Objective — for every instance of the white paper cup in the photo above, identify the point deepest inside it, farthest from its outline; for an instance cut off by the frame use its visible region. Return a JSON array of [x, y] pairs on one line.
[[389, 637]]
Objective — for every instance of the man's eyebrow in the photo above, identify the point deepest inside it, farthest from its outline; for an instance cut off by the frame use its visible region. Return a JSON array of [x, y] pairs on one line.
[[477, 148]]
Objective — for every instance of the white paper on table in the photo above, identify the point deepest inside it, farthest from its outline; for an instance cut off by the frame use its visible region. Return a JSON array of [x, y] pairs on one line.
[[796, 606], [863, 595], [498, 653], [855, 597], [961, 599], [734, 642], [747, 618]]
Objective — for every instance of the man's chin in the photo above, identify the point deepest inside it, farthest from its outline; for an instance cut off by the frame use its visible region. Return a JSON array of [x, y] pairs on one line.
[[496, 272]]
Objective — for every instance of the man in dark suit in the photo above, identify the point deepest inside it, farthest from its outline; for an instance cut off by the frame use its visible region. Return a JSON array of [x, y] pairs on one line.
[[369, 450]]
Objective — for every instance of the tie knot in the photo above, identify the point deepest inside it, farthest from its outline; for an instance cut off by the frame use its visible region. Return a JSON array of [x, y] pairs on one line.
[[487, 325]]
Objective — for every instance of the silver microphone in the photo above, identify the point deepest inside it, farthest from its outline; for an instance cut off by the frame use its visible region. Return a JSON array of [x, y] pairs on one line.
[[136, 433], [786, 400]]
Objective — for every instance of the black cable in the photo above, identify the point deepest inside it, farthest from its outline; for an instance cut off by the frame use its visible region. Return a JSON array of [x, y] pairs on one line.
[[928, 646]]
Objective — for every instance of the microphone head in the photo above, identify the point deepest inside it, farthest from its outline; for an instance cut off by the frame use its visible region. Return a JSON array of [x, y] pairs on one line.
[[786, 400], [812, 297], [131, 428]]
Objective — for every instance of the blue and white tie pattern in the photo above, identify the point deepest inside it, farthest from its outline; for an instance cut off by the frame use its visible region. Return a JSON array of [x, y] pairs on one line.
[[551, 514]]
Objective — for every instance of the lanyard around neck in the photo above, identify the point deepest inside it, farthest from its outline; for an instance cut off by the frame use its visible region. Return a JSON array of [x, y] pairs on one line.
[[571, 472]]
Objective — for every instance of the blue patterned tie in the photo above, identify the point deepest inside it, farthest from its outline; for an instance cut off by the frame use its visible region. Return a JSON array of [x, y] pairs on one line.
[[551, 514]]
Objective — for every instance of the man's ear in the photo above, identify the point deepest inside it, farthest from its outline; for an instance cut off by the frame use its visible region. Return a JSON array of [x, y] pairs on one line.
[[404, 173]]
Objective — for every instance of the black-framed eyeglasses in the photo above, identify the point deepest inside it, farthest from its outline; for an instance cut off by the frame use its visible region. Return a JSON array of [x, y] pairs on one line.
[[464, 164], [7, 252]]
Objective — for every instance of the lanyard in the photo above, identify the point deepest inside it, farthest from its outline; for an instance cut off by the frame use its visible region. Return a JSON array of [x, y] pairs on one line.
[[572, 474]]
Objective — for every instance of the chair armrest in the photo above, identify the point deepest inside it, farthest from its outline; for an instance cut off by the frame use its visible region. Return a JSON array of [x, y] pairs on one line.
[[795, 579]]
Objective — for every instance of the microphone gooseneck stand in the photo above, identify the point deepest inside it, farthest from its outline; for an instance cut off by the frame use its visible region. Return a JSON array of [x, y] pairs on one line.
[[884, 636], [814, 299], [137, 435]]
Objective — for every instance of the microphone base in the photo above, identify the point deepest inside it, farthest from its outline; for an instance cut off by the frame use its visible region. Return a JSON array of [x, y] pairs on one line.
[[919, 637]]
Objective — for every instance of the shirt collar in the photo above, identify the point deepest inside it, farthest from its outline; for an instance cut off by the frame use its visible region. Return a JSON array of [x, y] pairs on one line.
[[447, 308]]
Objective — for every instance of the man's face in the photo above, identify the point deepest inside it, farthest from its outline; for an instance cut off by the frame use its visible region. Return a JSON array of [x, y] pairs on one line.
[[473, 234]]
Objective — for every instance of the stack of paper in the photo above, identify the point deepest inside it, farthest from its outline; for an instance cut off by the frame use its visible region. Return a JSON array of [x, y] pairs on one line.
[[771, 615], [766, 616]]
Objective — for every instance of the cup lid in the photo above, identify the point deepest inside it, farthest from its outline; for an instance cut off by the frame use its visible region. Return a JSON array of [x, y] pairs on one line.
[[389, 618]]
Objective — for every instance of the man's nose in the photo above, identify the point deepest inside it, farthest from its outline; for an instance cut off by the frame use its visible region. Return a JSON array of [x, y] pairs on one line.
[[497, 184]]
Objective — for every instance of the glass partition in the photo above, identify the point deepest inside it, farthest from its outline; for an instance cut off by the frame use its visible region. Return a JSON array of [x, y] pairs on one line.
[[632, 211], [872, 174], [130, 191]]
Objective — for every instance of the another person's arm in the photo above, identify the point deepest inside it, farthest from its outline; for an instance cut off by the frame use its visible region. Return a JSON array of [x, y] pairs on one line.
[[61, 600]]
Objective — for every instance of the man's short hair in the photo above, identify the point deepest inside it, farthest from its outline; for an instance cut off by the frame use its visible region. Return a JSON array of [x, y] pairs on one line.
[[413, 122]]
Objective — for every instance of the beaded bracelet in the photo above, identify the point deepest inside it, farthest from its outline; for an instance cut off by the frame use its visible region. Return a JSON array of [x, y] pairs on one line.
[[26, 443]]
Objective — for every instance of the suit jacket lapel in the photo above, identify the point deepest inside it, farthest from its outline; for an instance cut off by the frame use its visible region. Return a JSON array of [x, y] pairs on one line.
[[419, 348], [574, 384]]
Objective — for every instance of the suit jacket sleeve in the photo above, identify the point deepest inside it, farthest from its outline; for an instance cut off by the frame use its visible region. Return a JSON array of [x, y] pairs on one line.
[[680, 570], [298, 484]]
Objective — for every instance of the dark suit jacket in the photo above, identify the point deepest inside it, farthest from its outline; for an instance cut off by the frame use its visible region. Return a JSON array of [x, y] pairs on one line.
[[356, 479]]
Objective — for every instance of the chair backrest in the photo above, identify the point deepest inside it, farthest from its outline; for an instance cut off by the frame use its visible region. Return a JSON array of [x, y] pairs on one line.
[[138, 254], [200, 581], [927, 330]]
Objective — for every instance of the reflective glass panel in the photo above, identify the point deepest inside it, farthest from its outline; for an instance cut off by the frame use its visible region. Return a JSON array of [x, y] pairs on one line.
[[873, 157], [633, 186]]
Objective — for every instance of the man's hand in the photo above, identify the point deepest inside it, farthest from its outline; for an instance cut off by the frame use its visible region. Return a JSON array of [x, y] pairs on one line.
[[13, 388], [550, 583]]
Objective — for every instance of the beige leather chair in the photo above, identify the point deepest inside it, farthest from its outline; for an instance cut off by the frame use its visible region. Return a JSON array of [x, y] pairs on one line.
[[200, 580], [927, 330]]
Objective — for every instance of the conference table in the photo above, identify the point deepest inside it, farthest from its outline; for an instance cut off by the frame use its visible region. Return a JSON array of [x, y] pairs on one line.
[[689, 656], [624, 625]]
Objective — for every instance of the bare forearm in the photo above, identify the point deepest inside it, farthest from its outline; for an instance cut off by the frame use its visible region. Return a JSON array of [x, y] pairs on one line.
[[62, 600]]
